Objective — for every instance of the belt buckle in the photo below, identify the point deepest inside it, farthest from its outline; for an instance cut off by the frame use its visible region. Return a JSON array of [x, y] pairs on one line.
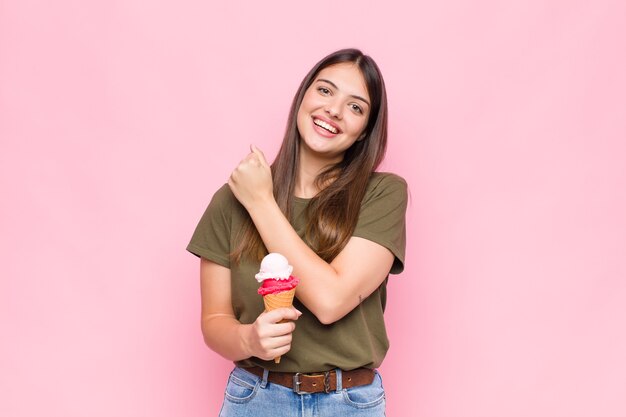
[[297, 383]]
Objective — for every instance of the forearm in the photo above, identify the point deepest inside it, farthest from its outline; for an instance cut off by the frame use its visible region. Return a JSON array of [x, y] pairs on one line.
[[328, 290], [321, 285], [226, 336]]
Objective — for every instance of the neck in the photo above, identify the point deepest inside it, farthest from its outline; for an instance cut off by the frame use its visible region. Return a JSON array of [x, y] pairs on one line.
[[309, 168]]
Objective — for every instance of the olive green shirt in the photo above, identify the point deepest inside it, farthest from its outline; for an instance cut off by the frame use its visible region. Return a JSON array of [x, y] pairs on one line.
[[359, 339]]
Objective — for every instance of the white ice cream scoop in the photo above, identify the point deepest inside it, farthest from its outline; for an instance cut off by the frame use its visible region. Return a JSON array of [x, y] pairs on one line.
[[274, 266]]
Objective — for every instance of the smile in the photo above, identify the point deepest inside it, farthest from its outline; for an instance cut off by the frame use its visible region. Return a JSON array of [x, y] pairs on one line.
[[326, 126]]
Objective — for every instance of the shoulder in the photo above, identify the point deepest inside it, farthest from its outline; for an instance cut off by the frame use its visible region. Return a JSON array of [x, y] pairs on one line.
[[223, 204], [224, 197], [386, 178], [385, 184], [383, 213]]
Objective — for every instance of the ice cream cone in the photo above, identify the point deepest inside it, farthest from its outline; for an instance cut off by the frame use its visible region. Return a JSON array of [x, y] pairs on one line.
[[278, 286], [279, 300]]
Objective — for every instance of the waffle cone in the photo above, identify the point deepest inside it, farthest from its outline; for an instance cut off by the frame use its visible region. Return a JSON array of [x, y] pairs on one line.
[[279, 300]]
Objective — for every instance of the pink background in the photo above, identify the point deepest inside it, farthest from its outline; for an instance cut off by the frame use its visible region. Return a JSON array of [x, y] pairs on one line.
[[118, 120]]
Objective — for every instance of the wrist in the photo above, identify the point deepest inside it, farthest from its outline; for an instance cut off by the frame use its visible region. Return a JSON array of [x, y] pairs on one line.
[[262, 205], [244, 339]]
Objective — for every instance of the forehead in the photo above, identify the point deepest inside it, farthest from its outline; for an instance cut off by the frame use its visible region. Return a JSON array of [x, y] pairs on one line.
[[347, 77]]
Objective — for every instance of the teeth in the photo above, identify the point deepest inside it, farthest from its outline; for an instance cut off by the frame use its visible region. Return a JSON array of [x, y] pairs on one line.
[[325, 125]]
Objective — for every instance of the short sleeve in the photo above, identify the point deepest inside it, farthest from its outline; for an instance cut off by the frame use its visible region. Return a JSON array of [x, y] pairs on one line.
[[211, 239], [382, 216]]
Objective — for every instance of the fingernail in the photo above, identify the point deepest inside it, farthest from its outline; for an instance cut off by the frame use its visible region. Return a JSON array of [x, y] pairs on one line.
[[298, 311]]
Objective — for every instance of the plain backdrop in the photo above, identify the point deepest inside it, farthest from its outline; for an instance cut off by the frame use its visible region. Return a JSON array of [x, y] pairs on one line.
[[119, 119]]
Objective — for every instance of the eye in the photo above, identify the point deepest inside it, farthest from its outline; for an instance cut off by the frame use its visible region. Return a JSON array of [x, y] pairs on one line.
[[323, 90], [356, 108]]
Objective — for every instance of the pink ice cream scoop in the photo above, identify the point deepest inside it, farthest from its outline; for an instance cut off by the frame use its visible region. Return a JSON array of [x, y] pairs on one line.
[[275, 275], [273, 286]]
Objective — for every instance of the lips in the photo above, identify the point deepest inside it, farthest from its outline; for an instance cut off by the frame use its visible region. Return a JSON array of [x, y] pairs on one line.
[[326, 126]]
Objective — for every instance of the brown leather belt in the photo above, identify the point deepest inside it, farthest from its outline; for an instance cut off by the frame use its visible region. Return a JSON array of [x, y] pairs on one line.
[[302, 383]]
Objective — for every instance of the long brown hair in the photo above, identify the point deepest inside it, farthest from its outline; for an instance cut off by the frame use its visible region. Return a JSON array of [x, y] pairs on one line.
[[333, 213]]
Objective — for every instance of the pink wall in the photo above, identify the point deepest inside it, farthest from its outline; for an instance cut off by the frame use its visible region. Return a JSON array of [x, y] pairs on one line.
[[118, 119]]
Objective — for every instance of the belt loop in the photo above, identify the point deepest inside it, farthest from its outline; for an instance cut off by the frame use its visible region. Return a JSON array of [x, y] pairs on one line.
[[264, 380], [339, 379]]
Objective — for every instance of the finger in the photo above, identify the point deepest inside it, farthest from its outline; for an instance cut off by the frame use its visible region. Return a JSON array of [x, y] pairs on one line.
[[281, 351], [268, 343], [285, 313], [274, 353], [259, 153], [234, 177], [281, 329], [292, 313], [279, 342], [251, 160]]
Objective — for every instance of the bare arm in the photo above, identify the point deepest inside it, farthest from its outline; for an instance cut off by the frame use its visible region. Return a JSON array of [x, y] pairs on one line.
[[266, 338], [328, 290]]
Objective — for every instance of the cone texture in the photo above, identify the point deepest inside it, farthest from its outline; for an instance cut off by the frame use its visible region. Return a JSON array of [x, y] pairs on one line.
[[278, 300]]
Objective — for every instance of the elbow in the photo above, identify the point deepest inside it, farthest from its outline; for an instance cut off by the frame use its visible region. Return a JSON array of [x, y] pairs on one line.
[[327, 319], [209, 334], [205, 333], [329, 312]]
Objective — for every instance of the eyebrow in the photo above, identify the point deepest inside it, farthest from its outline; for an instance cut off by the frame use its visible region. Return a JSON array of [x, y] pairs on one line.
[[335, 86]]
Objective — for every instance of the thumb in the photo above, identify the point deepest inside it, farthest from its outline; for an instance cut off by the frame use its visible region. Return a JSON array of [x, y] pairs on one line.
[[259, 153]]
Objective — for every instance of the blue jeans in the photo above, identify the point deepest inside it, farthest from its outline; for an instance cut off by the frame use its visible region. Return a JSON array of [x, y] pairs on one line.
[[248, 395]]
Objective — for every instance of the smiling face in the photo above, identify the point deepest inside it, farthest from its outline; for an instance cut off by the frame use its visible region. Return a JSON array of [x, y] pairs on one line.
[[334, 112]]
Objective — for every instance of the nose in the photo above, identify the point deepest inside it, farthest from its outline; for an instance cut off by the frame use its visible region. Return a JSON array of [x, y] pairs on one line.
[[333, 108]]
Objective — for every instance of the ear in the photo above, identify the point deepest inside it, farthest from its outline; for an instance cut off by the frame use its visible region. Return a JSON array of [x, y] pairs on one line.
[[360, 138]]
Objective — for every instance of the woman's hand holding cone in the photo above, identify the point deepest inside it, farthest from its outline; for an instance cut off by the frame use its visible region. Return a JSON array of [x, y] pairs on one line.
[[268, 338]]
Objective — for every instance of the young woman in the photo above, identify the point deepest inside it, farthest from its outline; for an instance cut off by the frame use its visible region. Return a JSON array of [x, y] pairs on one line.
[[339, 223]]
